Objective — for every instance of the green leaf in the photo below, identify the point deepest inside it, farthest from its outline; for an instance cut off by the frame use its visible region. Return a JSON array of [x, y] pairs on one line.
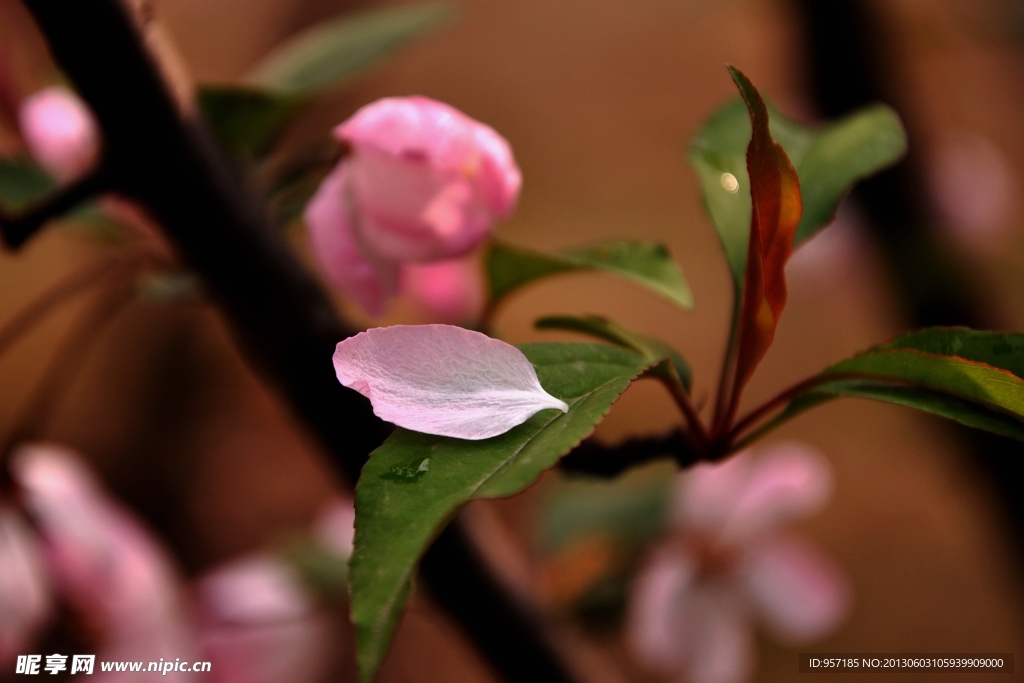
[[643, 263], [415, 483], [171, 286], [633, 509], [337, 50], [651, 348], [323, 570], [22, 183], [247, 121], [975, 378], [828, 159]]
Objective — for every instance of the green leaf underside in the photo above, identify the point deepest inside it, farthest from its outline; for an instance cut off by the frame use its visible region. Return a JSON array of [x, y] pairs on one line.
[[828, 159], [644, 263], [596, 326], [246, 120], [972, 377], [415, 483], [22, 183], [339, 49]]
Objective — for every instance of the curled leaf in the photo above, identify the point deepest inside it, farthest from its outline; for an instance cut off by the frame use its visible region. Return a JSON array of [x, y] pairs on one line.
[[443, 380], [775, 195]]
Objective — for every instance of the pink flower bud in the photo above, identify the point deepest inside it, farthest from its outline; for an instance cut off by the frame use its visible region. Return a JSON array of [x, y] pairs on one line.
[[423, 182], [60, 132], [449, 291], [428, 181], [370, 281]]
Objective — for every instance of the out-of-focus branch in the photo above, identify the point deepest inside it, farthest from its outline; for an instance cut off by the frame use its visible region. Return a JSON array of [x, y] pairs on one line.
[[850, 63], [166, 160], [19, 227]]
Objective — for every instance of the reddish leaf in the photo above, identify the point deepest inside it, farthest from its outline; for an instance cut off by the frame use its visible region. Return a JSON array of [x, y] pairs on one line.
[[775, 195]]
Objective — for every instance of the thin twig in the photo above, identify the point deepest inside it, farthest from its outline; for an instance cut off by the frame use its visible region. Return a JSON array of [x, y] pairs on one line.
[[17, 228], [68, 360], [722, 397], [25, 319], [695, 426]]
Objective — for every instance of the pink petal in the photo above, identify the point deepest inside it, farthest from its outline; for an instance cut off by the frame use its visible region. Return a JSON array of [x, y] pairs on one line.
[[257, 589], [803, 596], [288, 652], [655, 622], [444, 380], [335, 526], [500, 178], [103, 561], [707, 495], [260, 625], [369, 281], [449, 291], [787, 482], [722, 647], [412, 211], [416, 127], [60, 132], [24, 591]]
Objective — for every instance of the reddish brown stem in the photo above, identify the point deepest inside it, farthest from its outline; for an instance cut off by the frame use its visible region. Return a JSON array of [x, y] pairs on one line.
[[723, 399], [695, 427], [787, 395]]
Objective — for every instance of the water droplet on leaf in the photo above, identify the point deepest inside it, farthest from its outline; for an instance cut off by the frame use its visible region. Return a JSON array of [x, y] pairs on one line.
[[729, 183], [409, 472]]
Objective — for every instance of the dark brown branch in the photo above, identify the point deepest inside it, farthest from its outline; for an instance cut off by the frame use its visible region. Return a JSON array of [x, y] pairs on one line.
[[600, 460], [279, 314], [17, 228]]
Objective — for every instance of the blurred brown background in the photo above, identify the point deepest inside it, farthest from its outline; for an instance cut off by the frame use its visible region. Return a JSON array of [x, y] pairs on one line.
[[599, 99]]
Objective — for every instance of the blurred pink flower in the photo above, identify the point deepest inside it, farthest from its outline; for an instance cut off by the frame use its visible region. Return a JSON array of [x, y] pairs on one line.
[[259, 623], [60, 132], [727, 564], [103, 562], [975, 187], [25, 600], [422, 182], [255, 620], [335, 527]]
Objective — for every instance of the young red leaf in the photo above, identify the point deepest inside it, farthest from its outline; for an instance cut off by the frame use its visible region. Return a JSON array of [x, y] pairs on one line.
[[775, 196]]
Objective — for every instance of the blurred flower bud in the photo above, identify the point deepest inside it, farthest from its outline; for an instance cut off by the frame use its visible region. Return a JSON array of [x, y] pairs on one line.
[[449, 291], [103, 561], [24, 594], [423, 182], [60, 132], [260, 624], [368, 280]]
